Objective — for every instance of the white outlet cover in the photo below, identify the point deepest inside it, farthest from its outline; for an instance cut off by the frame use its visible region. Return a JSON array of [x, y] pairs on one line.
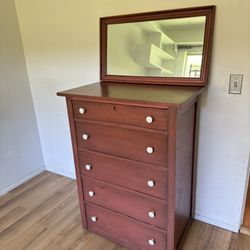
[[235, 84]]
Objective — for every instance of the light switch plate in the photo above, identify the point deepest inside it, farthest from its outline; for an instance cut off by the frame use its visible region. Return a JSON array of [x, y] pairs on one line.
[[235, 84]]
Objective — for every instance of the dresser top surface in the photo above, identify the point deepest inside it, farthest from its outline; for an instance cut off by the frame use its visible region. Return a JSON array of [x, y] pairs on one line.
[[153, 95]]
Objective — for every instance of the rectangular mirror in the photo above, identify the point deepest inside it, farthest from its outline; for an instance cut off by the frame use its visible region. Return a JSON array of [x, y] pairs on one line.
[[167, 47]]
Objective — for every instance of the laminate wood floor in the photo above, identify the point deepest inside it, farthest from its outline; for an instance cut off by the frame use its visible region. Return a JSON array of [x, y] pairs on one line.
[[43, 213]]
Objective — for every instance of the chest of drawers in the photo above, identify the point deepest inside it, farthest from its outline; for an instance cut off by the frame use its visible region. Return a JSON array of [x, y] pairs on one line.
[[133, 151]]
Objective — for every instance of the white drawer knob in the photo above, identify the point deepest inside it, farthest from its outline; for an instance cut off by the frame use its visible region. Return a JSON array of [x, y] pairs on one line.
[[94, 218], [88, 167], [149, 119], [151, 242], [151, 214], [82, 110], [150, 150], [85, 137], [91, 193], [151, 183]]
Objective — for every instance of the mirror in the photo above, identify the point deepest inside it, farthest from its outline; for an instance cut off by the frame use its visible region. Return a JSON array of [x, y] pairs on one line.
[[156, 48], [167, 47]]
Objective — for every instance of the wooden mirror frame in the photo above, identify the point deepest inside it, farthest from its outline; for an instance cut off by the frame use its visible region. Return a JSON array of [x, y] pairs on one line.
[[208, 11]]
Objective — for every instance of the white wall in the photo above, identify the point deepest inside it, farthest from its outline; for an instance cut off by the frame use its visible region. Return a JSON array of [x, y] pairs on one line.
[[123, 39], [20, 149], [61, 43]]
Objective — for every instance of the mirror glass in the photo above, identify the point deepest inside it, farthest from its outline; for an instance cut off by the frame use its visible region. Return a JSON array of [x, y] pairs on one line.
[[159, 48]]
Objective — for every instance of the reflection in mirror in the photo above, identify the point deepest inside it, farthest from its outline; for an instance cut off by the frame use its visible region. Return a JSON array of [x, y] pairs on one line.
[[171, 47]]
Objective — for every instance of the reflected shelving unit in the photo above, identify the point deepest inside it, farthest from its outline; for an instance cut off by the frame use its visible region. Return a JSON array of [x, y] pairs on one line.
[[159, 52]]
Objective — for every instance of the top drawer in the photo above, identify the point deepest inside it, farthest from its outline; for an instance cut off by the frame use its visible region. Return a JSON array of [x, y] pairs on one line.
[[130, 115]]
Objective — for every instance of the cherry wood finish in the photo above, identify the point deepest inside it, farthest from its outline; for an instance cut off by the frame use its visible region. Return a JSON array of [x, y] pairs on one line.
[[124, 230], [122, 114], [207, 11], [120, 165], [123, 141], [131, 174], [105, 195], [77, 168], [184, 170], [150, 96], [246, 219]]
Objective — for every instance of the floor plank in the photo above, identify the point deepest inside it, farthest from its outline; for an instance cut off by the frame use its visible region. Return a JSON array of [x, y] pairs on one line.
[[43, 213], [240, 241], [204, 236]]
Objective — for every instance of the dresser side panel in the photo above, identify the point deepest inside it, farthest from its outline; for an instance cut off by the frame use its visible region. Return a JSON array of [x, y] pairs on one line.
[[184, 171]]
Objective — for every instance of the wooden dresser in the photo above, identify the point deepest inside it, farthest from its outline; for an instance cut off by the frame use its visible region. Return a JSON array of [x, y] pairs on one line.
[[133, 150], [133, 133]]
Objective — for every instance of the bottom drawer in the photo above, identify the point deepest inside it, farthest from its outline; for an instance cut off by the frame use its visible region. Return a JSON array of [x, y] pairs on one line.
[[126, 231]]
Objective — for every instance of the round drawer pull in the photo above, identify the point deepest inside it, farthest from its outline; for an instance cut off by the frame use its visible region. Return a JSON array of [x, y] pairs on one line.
[[151, 183], [151, 214], [94, 218], [91, 193], [88, 167], [149, 119], [82, 110], [151, 242], [150, 150], [85, 137]]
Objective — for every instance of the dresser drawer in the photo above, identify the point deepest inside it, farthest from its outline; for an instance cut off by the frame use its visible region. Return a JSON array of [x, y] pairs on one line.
[[136, 144], [128, 231], [137, 116], [143, 207], [126, 173]]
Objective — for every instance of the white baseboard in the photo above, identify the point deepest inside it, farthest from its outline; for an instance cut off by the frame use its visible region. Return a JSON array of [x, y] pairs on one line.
[[217, 223], [60, 172], [21, 181]]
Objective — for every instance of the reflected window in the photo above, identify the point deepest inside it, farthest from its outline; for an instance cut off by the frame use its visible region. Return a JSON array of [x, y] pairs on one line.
[[193, 65]]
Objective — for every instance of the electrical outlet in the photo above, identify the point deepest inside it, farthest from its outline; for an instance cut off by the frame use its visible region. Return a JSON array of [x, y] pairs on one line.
[[235, 84]]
